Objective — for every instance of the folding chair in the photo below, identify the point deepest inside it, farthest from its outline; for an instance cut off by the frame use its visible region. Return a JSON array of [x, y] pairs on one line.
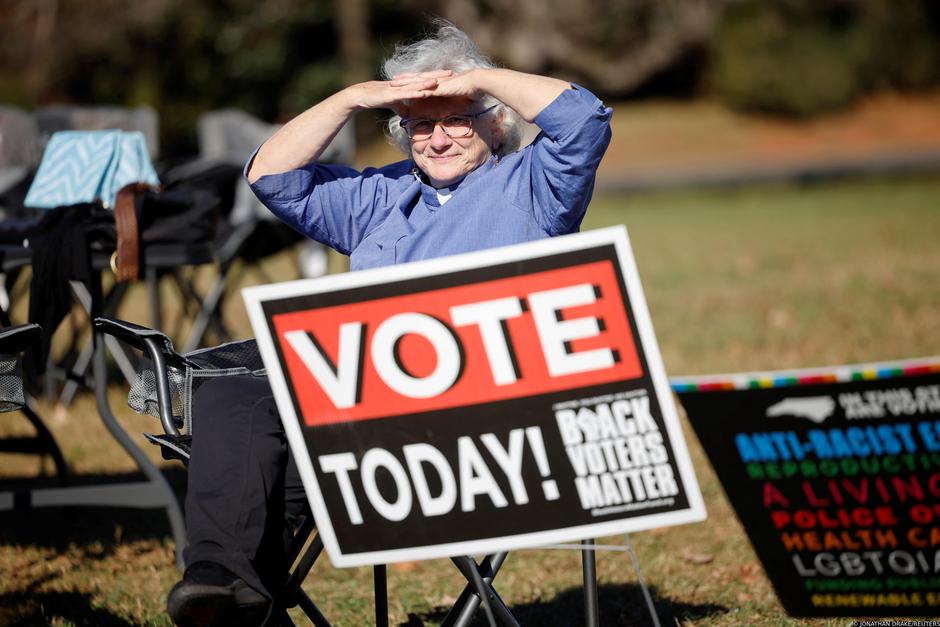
[[144, 120], [151, 492], [19, 151], [157, 256], [13, 340], [54, 118], [82, 176], [164, 388], [19, 155]]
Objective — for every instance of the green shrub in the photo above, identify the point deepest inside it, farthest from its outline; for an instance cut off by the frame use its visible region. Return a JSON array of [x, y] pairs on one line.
[[799, 57]]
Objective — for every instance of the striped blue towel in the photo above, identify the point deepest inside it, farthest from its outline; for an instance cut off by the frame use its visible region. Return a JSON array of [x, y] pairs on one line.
[[84, 166]]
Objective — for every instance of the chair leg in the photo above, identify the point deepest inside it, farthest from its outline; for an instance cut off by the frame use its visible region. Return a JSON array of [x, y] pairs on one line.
[[117, 351], [49, 444], [311, 610], [379, 574], [471, 571], [153, 290], [170, 505], [280, 617], [206, 311], [293, 593], [589, 568], [306, 562], [303, 532], [463, 611]]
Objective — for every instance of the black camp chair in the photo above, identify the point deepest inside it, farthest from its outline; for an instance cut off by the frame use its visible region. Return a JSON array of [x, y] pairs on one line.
[[22, 228], [173, 229], [151, 491], [164, 387], [20, 151], [168, 246], [13, 340]]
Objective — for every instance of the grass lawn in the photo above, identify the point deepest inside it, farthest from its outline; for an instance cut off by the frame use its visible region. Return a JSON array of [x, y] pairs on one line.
[[752, 278]]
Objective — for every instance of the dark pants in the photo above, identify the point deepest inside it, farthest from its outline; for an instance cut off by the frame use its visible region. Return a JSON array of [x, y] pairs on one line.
[[244, 491]]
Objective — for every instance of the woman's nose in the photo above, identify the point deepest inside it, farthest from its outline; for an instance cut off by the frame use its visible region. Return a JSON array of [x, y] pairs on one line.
[[439, 138]]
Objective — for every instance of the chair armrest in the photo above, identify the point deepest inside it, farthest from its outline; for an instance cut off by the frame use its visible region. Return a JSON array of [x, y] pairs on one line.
[[16, 339], [159, 348], [137, 336]]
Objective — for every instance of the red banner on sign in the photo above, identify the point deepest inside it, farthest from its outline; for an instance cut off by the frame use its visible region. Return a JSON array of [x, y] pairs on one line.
[[488, 341]]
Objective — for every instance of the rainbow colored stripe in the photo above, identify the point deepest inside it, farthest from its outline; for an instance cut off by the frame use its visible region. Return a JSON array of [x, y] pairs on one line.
[[815, 376]]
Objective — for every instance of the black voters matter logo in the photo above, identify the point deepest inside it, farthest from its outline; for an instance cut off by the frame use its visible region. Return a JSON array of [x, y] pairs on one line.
[[617, 453]]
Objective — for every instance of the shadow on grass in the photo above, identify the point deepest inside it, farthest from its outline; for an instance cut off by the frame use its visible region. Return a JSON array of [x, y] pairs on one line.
[[620, 604], [28, 608], [84, 526]]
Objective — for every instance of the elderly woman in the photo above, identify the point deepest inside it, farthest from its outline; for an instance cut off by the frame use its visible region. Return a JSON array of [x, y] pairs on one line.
[[464, 186]]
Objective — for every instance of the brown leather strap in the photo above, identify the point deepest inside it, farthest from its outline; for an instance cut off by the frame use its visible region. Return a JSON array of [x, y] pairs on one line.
[[126, 262]]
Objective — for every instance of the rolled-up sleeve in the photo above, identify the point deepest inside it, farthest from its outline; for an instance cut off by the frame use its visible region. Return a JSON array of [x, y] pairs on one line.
[[332, 204], [575, 134]]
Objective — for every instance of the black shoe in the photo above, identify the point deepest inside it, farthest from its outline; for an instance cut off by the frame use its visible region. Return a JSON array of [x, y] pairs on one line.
[[210, 594]]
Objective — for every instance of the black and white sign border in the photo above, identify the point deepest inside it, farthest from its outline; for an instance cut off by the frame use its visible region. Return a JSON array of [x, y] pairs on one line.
[[255, 297]]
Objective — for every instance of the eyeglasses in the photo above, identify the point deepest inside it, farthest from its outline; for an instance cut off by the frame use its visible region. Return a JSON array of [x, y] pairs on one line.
[[454, 126]]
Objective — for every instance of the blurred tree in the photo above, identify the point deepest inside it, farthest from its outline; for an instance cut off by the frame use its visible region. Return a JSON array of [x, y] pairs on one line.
[[803, 57], [271, 58], [274, 58], [615, 46], [352, 27]]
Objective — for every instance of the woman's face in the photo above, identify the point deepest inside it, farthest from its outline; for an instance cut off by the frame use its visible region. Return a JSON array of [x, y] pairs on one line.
[[446, 160]]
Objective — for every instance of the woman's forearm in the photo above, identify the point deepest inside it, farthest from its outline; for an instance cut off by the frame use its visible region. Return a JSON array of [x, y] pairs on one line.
[[527, 94], [304, 138]]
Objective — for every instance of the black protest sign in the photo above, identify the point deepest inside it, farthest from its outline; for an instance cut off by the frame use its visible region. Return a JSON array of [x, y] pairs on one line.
[[490, 401], [835, 476]]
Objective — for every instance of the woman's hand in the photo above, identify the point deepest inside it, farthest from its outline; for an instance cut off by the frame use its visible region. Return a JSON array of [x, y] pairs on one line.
[[390, 94], [527, 94], [466, 85], [304, 138]]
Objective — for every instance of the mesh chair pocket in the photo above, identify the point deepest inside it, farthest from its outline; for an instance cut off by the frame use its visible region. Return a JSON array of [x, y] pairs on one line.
[[11, 383], [239, 358]]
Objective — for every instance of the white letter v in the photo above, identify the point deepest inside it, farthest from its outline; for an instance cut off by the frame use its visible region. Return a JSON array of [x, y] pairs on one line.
[[341, 383]]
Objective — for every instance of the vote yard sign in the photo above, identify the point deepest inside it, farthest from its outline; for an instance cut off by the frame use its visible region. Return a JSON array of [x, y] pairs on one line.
[[488, 401], [835, 475]]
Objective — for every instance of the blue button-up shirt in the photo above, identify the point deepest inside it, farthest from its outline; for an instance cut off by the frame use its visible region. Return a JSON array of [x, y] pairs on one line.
[[388, 215]]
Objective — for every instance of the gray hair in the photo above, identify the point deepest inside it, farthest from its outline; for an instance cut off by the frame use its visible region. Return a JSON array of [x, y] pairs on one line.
[[449, 48]]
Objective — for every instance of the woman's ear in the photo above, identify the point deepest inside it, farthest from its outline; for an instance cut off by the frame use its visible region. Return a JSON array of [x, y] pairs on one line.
[[496, 129], [400, 108]]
